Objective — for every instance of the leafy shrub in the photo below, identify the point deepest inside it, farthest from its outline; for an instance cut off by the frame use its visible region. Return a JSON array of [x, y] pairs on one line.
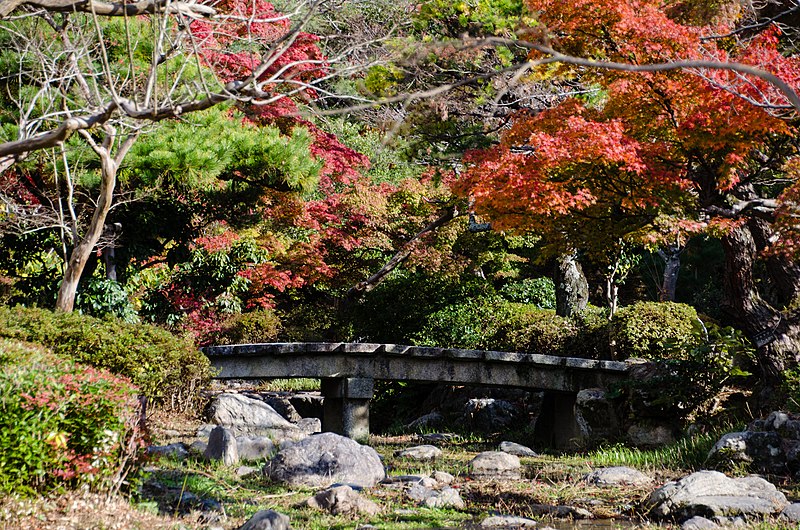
[[101, 296], [527, 328], [397, 309], [168, 369], [592, 329], [689, 376], [653, 329], [247, 328], [540, 292], [61, 423], [470, 324]]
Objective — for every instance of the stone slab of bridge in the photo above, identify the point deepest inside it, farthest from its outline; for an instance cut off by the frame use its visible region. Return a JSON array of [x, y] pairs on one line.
[[348, 372]]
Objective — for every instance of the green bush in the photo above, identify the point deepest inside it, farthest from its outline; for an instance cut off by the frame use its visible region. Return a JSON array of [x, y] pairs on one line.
[[61, 423], [471, 324], [653, 329], [591, 339], [398, 308], [527, 328], [248, 328], [101, 296], [166, 368], [540, 292]]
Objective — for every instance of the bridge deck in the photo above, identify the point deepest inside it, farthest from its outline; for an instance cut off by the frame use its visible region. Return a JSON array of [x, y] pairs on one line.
[[412, 363]]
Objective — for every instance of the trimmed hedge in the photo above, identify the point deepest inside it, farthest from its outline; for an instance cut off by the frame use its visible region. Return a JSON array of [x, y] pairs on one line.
[[62, 424], [530, 329], [653, 330], [166, 368]]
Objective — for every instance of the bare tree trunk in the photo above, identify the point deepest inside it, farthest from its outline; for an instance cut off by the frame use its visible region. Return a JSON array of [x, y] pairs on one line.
[[775, 335], [572, 289], [83, 250], [672, 265]]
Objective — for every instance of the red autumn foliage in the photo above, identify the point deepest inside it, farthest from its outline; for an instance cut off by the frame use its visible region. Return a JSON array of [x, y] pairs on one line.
[[656, 154]]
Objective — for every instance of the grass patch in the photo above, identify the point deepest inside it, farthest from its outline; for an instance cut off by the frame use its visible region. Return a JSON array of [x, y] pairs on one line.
[[299, 384], [689, 454]]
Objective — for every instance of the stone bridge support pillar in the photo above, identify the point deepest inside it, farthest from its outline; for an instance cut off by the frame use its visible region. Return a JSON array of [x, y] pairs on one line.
[[346, 406]]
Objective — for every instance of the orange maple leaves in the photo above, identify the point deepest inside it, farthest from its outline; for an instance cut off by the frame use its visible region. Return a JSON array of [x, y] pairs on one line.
[[653, 146]]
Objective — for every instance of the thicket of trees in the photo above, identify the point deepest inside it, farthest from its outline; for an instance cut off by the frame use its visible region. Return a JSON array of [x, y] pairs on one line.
[[186, 163]]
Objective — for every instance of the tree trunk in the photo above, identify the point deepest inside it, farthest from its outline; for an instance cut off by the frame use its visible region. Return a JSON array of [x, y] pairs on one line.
[[775, 335], [572, 289], [672, 265], [783, 273], [83, 250]]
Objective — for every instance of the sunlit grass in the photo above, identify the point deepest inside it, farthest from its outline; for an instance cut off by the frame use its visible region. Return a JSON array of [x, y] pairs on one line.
[[300, 384], [688, 453]]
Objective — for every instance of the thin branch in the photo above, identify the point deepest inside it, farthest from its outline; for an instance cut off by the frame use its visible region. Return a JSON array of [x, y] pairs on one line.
[[111, 9]]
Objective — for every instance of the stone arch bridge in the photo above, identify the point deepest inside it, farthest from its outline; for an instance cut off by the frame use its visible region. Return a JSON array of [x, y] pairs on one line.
[[348, 372]]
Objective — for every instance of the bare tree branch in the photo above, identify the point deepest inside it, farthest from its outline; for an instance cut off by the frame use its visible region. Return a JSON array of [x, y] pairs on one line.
[[111, 9]]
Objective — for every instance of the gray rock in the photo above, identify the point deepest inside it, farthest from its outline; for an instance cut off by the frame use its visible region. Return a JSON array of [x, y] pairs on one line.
[[710, 494], [283, 406], [442, 477], [177, 451], [596, 415], [432, 419], [246, 415], [222, 446], [418, 492], [507, 521], [791, 513], [445, 498], [267, 520], [516, 449], [254, 447], [617, 476], [343, 500], [495, 465], [439, 437], [698, 523], [762, 449], [324, 459], [419, 452], [198, 447], [309, 426], [489, 414], [246, 471], [204, 431]]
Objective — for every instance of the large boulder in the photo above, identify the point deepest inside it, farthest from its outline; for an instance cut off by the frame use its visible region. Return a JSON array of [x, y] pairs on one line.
[[343, 500], [489, 414], [712, 494], [419, 452], [324, 459], [763, 450], [222, 446], [516, 449], [495, 465], [596, 416], [250, 416], [267, 520]]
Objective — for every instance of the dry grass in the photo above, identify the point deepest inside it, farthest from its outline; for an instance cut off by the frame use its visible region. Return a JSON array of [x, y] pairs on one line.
[[84, 511]]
